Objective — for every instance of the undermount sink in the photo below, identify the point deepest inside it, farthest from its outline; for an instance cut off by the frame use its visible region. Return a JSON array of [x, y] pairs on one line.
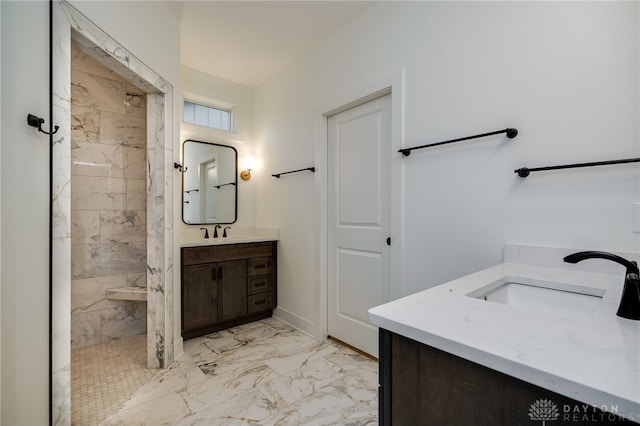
[[542, 297]]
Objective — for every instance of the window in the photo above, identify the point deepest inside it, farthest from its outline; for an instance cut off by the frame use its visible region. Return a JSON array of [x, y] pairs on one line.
[[202, 115]]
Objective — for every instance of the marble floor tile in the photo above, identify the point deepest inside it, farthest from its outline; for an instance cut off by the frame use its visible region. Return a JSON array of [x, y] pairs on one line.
[[265, 373], [360, 385], [199, 352], [291, 343], [348, 359], [226, 340], [248, 410], [166, 410], [181, 375], [289, 362], [234, 360], [301, 382], [226, 385], [327, 406]]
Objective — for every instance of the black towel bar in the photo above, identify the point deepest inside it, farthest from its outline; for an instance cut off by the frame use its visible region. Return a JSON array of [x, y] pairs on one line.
[[511, 133], [524, 171], [224, 184], [311, 169]]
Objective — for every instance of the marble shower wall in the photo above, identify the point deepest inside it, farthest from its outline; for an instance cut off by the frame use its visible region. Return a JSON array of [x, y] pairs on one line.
[[108, 202]]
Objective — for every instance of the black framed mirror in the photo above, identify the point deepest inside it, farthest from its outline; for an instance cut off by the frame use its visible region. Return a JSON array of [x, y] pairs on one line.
[[210, 183]]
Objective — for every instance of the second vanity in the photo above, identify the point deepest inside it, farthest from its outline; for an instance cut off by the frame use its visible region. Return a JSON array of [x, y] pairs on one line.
[[227, 282], [452, 355]]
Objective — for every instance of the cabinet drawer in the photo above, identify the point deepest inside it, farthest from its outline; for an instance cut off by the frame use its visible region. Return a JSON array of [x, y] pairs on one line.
[[260, 266], [260, 302], [220, 253], [259, 283]]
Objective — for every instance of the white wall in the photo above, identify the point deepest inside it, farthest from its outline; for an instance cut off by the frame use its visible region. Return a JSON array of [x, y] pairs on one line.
[[25, 211], [0, 221], [141, 27], [564, 74], [210, 87]]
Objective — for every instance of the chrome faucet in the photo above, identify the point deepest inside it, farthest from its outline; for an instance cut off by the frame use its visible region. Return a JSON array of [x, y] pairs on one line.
[[630, 301], [215, 231]]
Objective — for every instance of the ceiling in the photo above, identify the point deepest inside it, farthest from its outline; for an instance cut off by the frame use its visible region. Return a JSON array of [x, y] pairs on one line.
[[248, 42]]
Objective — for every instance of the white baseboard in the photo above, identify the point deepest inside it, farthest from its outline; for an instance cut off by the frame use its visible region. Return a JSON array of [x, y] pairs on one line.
[[301, 324]]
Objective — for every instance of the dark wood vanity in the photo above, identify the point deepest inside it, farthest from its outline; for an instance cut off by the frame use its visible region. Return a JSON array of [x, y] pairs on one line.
[[227, 285], [422, 385]]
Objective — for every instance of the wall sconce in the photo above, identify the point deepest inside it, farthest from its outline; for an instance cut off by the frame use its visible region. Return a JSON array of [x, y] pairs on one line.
[[248, 164]]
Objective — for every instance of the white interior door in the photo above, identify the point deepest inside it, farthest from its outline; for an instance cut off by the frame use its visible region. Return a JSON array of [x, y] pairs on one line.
[[359, 141], [210, 193]]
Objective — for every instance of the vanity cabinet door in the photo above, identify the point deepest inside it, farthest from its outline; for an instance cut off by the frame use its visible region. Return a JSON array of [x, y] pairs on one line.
[[199, 296], [232, 287]]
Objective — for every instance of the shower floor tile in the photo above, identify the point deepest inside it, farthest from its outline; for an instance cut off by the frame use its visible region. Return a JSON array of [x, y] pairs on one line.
[[105, 375]]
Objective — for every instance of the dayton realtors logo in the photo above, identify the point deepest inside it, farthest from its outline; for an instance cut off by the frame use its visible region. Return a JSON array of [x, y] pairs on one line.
[[543, 410]]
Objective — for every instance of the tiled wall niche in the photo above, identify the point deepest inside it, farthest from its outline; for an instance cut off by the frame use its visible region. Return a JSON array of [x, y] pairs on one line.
[[108, 202]]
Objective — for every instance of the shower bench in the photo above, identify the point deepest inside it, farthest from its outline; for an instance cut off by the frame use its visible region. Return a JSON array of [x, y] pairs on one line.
[[137, 294]]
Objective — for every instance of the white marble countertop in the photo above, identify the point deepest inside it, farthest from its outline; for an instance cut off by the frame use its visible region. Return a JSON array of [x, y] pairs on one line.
[[194, 236], [595, 360], [236, 239]]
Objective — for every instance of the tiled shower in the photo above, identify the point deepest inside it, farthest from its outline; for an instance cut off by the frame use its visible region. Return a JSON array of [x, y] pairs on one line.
[[108, 202]]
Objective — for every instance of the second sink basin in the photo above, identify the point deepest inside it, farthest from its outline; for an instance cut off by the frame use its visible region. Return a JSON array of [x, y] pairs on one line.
[[542, 297]]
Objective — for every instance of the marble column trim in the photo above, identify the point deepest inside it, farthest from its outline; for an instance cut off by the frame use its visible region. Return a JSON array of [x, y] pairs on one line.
[[61, 222]]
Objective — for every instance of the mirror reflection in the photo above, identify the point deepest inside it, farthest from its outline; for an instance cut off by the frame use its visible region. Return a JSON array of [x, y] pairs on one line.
[[209, 184]]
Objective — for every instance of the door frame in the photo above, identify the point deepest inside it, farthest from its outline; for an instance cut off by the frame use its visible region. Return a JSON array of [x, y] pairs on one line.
[[390, 84]]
